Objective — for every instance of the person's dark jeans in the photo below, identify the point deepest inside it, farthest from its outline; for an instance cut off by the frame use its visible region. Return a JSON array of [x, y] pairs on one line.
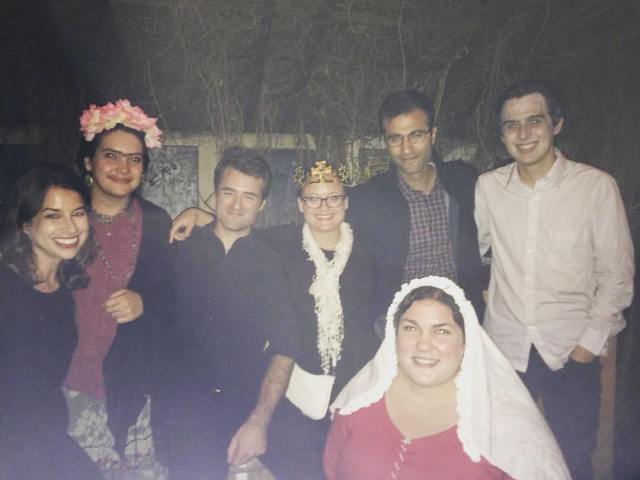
[[571, 402], [200, 429], [296, 444]]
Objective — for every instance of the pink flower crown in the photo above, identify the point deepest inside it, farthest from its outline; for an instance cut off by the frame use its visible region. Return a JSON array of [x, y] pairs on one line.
[[96, 119]]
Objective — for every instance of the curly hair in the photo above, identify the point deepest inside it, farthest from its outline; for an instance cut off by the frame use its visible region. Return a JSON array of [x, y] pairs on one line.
[[23, 204]]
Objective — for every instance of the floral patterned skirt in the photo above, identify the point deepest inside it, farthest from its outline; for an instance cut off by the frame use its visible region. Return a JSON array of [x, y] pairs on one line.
[[88, 427]]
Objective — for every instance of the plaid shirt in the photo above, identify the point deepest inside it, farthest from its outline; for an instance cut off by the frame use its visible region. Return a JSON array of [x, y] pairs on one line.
[[430, 248]]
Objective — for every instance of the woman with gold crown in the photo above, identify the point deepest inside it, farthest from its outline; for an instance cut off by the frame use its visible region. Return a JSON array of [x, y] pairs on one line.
[[331, 285]]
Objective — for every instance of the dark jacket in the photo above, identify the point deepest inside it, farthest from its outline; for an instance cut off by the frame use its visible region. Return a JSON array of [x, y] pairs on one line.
[[357, 294], [134, 364], [379, 215]]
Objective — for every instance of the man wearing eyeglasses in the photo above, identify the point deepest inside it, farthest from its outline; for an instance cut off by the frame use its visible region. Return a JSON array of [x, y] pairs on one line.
[[416, 219]]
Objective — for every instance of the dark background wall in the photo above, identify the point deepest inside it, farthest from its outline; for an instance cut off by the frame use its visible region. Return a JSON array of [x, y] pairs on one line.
[[321, 68]]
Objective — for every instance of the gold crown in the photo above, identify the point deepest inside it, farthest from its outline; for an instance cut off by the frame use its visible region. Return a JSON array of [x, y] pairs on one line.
[[321, 171]]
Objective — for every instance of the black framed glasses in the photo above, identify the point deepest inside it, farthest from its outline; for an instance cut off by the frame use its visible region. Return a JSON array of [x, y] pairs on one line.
[[315, 201], [416, 137]]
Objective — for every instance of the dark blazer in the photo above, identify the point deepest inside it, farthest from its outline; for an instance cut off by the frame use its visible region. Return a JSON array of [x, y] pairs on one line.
[[379, 215], [134, 364]]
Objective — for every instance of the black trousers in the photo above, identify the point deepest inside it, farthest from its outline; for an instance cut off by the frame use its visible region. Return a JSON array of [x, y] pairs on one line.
[[295, 444], [571, 402], [199, 432]]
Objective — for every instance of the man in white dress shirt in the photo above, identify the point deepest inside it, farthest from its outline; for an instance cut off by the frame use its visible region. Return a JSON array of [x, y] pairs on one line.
[[562, 266]]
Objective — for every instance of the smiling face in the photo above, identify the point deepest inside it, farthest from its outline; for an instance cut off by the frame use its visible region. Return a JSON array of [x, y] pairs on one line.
[[429, 345], [59, 229], [238, 202], [528, 132], [411, 159], [325, 218], [116, 166]]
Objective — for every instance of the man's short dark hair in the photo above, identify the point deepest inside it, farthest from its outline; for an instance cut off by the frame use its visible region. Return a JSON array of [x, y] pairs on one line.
[[403, 102], [521, 89], [246, 161]]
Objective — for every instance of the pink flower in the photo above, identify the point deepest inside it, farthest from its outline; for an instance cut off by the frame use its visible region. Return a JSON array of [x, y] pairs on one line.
[[96, 119]]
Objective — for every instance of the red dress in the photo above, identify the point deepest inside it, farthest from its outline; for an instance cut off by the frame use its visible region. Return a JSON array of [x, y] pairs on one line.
[[366, 444]]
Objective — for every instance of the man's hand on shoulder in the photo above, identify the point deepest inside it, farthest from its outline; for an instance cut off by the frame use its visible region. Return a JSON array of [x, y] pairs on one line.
[[186, 220]]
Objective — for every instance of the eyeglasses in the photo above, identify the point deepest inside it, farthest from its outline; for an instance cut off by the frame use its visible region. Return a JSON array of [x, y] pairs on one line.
[[415, 137], [332, 201]]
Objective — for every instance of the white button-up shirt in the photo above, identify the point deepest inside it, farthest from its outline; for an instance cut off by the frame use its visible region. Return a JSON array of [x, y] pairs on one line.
[[562, 260]]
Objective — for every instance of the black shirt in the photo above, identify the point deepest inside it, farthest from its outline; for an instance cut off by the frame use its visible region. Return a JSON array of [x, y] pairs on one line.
[[37, 338], [234, 314]]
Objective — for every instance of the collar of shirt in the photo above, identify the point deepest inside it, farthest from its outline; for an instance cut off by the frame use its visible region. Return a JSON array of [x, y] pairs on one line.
[[243, 246], [416, 195], [550, 180]]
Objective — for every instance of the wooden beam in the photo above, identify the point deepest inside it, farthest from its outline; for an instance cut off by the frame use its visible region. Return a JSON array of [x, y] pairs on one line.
[[603, 456]]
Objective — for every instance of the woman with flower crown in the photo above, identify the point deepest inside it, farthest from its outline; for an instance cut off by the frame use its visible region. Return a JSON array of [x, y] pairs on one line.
[[331, 282], [123, 314]]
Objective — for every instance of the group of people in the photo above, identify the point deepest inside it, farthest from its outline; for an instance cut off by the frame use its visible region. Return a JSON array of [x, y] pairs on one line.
[[84, 309], [237, 348]]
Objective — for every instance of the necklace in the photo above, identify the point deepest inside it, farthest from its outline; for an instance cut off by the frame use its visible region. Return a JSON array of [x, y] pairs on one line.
[[133, 244], [109, 220]]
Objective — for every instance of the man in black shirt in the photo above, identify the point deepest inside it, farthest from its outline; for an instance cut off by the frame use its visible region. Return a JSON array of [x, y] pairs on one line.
[[235, 335]]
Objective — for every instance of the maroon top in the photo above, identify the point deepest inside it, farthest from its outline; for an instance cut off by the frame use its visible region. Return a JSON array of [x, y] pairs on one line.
[[117, 246], [366, 444]]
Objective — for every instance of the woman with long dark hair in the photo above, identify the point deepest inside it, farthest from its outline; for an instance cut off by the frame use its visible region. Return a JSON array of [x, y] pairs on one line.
[[122, 315], [44, 249]]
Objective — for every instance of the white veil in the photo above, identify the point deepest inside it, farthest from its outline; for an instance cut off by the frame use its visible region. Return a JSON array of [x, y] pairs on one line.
[[497, 418]]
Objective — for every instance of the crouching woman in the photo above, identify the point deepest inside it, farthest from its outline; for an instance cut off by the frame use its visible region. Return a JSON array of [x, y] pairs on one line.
[[438, 400]]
